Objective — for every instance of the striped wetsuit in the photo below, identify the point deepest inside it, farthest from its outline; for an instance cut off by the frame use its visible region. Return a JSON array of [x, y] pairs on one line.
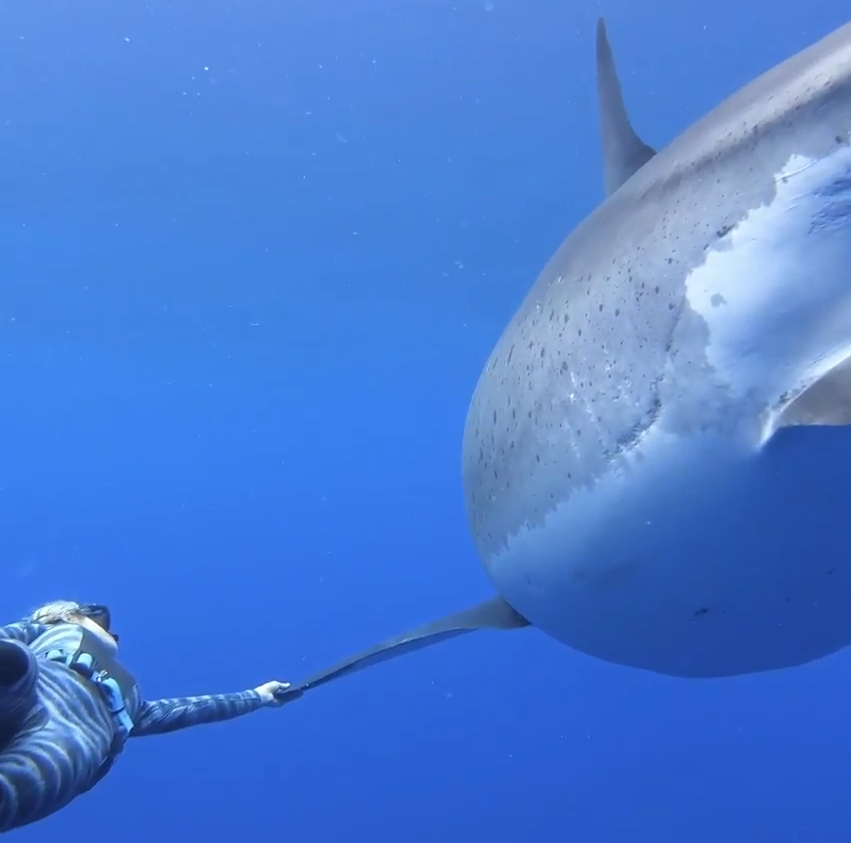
[[69, 740]]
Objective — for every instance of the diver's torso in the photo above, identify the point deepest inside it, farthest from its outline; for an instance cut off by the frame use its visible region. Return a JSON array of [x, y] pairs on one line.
[[65, 741]]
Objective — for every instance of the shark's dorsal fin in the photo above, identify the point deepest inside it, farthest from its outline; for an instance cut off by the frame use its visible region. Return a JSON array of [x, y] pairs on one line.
[[492, 614], [623, 151]]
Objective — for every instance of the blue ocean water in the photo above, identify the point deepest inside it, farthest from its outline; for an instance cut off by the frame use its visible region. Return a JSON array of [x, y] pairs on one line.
[[254, 256]]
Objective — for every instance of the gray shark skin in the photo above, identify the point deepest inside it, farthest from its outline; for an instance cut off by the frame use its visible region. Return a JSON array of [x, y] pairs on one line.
[[625, 481], [655, 453]]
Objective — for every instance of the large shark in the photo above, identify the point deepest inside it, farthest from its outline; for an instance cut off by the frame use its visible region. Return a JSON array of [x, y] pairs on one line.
[[654, 459]]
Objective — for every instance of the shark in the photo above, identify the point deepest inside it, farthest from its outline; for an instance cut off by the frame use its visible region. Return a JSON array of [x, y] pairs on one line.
[[656, 453]]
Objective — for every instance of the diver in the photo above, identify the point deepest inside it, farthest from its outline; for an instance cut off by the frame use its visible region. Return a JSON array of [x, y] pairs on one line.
[[67, 708]]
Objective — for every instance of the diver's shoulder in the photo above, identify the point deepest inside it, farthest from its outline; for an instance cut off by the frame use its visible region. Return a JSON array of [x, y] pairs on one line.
[[62, 636]]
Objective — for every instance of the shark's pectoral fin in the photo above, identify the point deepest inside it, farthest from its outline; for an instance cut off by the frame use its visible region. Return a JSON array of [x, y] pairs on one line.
[[492, 614], [623, 151], [826, 402]]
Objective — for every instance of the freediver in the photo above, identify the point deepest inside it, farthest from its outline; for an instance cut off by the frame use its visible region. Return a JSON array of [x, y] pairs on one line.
[[67, 708]]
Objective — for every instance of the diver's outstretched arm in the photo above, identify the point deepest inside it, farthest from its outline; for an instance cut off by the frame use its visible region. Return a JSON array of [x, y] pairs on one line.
[[161, 716]]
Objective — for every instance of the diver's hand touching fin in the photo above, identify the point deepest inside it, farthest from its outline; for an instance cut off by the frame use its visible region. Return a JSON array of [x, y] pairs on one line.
[[276, 693]]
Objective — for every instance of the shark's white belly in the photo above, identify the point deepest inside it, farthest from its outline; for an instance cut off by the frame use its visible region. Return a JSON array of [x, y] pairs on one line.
[[698, 559], [713, 553]]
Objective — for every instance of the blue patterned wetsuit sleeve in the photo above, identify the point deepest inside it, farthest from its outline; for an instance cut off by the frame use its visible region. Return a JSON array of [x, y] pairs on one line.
[[161, 716], [23, 631]]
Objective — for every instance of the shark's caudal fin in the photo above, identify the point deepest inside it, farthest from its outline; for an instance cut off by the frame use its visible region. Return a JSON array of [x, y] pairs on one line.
[[492, 614], [623, 151]]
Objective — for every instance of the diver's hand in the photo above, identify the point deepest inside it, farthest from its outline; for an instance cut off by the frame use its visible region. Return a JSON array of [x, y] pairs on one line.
[[272, 693]]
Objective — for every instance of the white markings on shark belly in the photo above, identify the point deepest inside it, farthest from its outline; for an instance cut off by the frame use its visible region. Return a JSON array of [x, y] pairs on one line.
[[775, 292]]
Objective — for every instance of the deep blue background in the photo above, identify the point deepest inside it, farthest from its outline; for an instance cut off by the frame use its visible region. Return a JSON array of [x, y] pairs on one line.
[[254, 255]]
